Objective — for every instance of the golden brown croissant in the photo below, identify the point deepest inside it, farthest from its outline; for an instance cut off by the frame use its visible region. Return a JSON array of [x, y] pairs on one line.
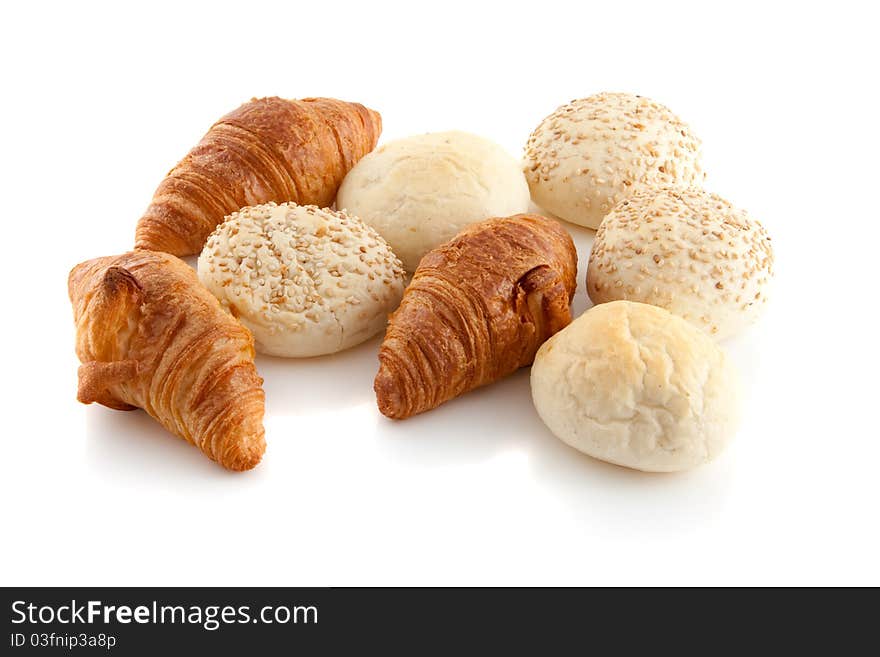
[[150, 336], [269, 149], [477, 309]]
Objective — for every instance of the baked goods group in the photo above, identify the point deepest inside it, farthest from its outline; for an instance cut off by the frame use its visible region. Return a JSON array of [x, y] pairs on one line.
[[306, 237]]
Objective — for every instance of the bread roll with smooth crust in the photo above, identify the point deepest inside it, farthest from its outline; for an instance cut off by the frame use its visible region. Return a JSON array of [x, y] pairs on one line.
[[419, 192], [594, 152], [688, 251], [306, 281], [634, 385]]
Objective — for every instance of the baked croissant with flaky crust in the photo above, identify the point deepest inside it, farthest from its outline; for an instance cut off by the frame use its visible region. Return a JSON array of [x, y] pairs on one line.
[[150, 336], [269, 149], [477, 309]]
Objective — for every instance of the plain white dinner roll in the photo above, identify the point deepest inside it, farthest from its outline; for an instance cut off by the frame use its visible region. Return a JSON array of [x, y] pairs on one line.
[[688, 251], [306, 281], [594, 152], [635, 385], [419, 192]]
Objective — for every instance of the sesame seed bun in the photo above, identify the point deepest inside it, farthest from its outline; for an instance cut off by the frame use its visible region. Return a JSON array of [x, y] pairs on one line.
[[688, 251], [420, 192], [306, 281], [595, 152], [634, 385]]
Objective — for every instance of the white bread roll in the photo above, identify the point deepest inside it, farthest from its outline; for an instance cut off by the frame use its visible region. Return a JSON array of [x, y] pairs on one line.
[[306, 281], [594, 152], [688, 251], [634, 385], [419, 192]]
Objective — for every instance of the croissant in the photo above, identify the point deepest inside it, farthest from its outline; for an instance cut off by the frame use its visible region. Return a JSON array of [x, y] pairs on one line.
[[477, 309], [269, 149], [150, 336]]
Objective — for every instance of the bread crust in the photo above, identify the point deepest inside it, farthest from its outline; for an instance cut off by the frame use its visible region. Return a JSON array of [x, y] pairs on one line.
[[269, 149], [477, 309], [150, 336]]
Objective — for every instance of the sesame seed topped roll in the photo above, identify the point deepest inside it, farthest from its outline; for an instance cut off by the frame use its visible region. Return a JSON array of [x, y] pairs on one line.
[[688, 251], [306, 281], [592, 153]]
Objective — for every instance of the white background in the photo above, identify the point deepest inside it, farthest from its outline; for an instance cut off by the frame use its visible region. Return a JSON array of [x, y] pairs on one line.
[[100, 101]]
